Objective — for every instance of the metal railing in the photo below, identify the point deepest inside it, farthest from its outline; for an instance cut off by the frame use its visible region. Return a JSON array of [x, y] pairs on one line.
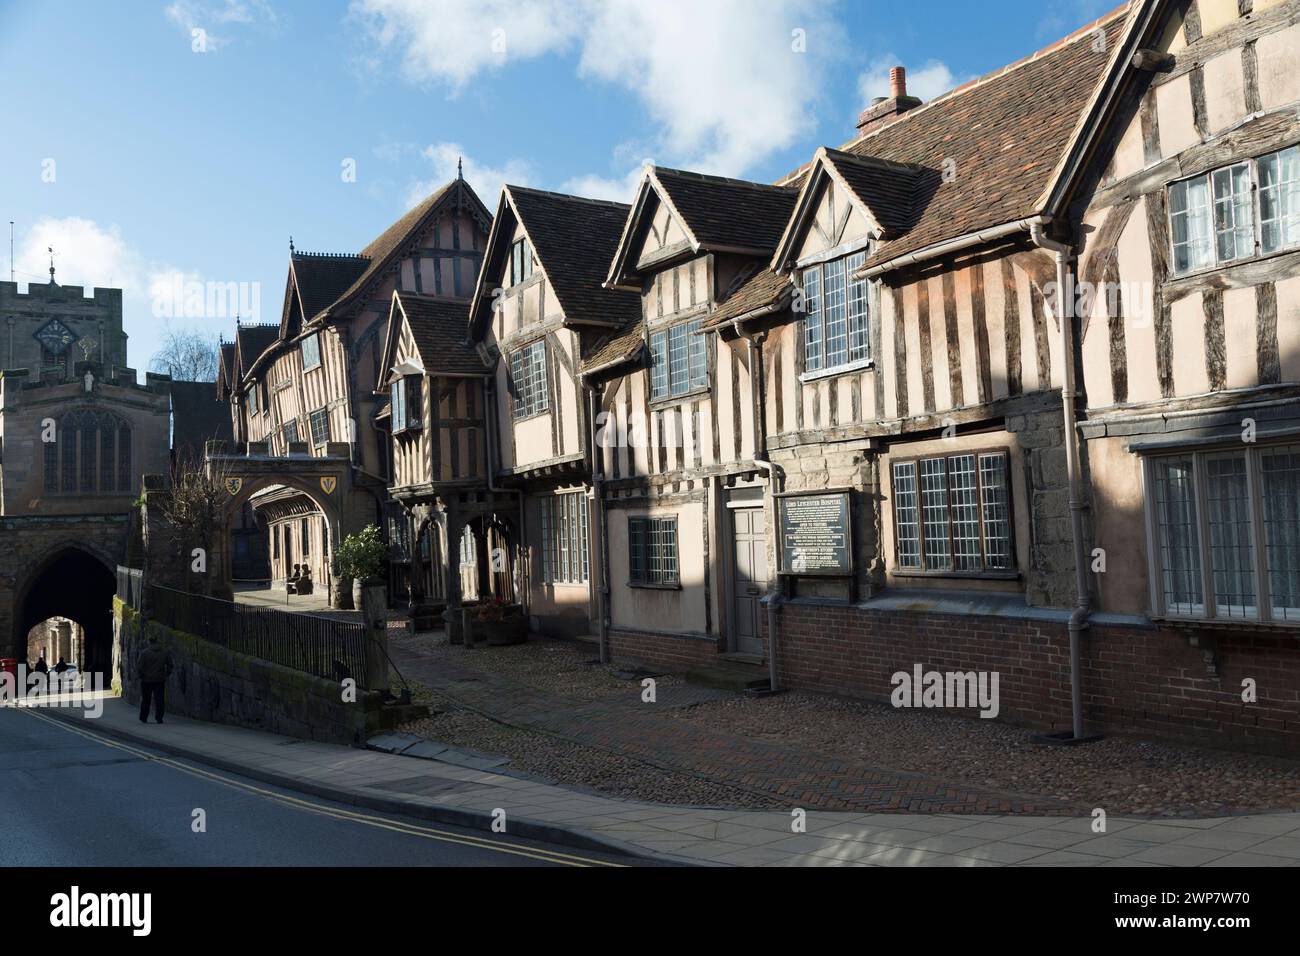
[[315, 645], [130, 586]]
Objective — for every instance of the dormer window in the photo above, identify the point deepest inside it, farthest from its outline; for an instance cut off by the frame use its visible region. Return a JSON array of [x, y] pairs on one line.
[[836, 320], [678, 361], [521, 261]]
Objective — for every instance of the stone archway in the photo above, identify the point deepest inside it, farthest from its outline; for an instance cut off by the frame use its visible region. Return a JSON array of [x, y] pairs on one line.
[[74, 582], [241, 488]]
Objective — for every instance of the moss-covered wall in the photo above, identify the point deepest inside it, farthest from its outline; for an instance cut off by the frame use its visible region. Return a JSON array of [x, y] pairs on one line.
[[211, 682]]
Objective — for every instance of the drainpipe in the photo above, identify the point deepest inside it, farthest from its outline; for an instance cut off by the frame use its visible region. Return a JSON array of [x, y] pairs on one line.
[[598, 516], [774, 597], [1079, 616], [490, 467]]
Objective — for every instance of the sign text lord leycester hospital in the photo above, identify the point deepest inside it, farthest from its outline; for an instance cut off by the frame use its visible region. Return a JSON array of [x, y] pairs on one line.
[[815, 534]]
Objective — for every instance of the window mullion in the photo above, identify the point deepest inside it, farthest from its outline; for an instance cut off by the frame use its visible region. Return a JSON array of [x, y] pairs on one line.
[[1155, 572], [1256, 222], [920, 516], [1255, 490], [1199, 496]]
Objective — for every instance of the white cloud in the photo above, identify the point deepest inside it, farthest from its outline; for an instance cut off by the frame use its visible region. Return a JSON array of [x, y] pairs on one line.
[[451, 41], [90, 255], [726, 82], [485, 180], [85, 254], [602, 187], [207, 14], [721, 80], [931, 79]]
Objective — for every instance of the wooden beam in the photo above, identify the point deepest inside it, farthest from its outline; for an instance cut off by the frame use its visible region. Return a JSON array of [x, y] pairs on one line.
[[1270, 366], [1153, 61], [953, 334], [1215, 343], [927, 353]]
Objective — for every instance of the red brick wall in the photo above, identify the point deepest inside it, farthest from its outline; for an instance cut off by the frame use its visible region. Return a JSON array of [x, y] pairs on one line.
[[1144, 680], [662, 650]]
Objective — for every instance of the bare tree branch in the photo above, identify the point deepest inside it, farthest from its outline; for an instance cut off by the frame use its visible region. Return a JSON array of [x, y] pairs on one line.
[[187, 355]]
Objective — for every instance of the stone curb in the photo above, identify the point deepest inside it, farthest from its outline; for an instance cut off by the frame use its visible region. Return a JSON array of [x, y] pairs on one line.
[[571, 837]]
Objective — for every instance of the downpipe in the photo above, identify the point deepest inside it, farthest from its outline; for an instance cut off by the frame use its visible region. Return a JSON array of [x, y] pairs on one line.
[[774, 596], [597, 467], [1065, 296]]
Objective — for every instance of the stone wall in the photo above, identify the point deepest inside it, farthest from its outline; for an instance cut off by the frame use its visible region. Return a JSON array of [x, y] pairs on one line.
[[212, 683], [30, 542]]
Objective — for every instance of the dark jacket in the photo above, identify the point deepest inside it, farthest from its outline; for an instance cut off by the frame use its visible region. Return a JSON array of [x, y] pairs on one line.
[[154, 663]]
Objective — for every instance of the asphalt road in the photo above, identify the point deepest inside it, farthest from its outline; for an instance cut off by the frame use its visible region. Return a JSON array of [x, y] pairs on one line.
[[69, 800]]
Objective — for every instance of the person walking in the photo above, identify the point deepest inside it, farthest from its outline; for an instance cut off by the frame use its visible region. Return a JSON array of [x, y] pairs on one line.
[[154, 665]]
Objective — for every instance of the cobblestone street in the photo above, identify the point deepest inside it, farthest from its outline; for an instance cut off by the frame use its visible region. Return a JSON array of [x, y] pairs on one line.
[[559, 715]]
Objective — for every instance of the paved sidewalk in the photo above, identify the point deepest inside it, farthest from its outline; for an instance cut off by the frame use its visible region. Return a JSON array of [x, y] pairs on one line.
[[463, 795]]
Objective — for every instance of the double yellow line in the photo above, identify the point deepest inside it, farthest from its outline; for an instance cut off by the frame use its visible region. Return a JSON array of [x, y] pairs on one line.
[[411, 829]]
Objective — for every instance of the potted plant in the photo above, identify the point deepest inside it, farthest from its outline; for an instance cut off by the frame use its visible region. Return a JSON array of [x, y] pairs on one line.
[[361, 558], [500, 622]]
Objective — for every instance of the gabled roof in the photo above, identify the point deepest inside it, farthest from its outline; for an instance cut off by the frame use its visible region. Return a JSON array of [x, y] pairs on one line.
[[886, 193], [439, 326], [1143, 28], [717, 214], [225, 369], [613, 349], [573, 239], [385, 249], [250, 342], [321, 278], [196, 417], [1000, 138], [755, 293]]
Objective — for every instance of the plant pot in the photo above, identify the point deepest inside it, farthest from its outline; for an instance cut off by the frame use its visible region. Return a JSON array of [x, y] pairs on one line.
[[452, 618], [512, 629], [341, 593], [378, 592]]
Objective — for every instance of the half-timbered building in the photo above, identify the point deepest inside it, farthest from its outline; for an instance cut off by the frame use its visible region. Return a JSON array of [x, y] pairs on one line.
[[681, 490], [309, 387]]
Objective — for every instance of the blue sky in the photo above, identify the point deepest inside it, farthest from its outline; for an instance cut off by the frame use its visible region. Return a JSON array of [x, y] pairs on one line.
[[140, 158]]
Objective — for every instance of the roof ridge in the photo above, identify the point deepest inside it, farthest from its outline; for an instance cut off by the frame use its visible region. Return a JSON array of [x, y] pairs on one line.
[[612, 203], [299, 254], [709, 178], [431, 296], [992, 75], [867, 159]]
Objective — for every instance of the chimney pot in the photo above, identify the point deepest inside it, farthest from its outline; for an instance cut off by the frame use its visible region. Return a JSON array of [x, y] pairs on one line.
[[898, 82]]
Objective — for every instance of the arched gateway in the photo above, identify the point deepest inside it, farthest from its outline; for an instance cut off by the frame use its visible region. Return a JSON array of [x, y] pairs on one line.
[[289, 488]]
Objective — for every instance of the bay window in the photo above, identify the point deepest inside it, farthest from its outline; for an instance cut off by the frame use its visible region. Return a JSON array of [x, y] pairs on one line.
[[1225, 527], [310, 352], [405, 403]]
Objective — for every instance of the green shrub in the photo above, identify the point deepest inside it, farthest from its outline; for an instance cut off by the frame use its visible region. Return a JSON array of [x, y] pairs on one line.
[[361, 555]]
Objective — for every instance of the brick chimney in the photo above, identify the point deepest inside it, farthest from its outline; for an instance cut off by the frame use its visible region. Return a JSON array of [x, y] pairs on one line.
[[884, 110]]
